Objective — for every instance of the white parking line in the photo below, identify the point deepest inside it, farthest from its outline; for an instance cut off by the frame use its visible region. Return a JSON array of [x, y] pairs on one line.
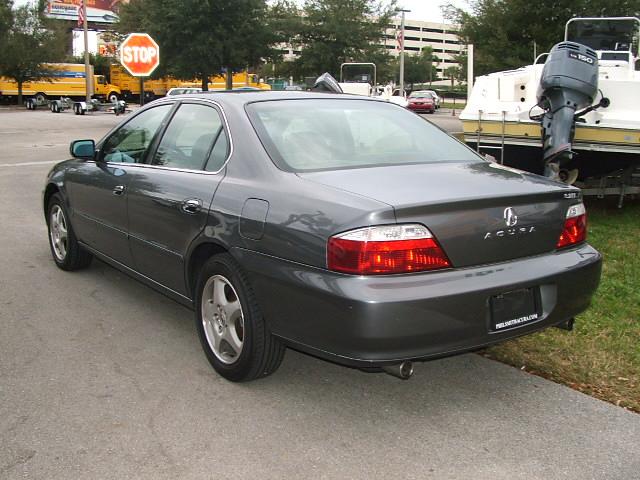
[[26, 164]]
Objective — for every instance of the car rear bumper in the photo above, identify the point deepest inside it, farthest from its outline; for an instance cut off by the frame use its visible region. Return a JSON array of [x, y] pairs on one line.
[[372, 321], [421, 108]]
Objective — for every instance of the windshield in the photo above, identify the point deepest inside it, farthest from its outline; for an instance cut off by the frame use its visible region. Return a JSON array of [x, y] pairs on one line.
[[613, 35], [329, 134]]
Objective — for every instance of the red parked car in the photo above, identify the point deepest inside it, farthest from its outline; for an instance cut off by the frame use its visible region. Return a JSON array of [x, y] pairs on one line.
[[422, 102]]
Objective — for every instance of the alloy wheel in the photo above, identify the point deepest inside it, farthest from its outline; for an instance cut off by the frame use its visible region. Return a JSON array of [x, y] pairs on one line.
[[58, 232], [222, 319]]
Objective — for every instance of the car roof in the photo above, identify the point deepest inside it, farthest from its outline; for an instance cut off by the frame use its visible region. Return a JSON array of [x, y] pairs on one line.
[[242, 97]]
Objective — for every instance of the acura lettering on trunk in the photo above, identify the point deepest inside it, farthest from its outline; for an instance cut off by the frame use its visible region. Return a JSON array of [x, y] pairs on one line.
[[509, 231], [344, 227]]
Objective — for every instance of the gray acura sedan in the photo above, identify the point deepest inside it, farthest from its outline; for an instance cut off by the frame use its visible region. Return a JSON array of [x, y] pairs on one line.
[[341, 226]]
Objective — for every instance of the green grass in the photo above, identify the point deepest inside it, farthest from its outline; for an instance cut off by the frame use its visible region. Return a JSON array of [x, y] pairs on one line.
[[459, 105], [601, 357]]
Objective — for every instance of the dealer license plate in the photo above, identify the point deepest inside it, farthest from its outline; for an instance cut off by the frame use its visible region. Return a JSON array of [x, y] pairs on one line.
[[514, 309]]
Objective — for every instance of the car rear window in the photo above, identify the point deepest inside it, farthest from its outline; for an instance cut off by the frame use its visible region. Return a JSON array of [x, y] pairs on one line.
[[421, 95], [329, 134]]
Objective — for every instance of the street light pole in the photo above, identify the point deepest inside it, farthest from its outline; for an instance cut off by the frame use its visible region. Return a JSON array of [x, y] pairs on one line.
[[402, 51], [431, 71], [87, 67]]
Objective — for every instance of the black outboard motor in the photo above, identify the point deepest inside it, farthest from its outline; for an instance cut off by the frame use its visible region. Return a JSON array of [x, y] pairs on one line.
[[326, 83], [569, 83]]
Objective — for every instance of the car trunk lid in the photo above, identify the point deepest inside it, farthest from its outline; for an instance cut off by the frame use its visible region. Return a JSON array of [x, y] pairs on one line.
[[479, 212]]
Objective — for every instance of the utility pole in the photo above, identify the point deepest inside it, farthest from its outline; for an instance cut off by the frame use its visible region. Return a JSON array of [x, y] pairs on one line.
[[402, 51], [87, 66]]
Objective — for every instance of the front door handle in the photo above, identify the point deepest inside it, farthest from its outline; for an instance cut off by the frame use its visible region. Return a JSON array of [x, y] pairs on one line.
[[118, 190], [193, 205]]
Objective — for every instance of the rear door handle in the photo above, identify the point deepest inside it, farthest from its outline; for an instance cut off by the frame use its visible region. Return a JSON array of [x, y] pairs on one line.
[[192, 206], [118, 190]]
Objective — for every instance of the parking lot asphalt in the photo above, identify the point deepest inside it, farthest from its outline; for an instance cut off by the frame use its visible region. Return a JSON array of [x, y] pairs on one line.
[[101, 377]]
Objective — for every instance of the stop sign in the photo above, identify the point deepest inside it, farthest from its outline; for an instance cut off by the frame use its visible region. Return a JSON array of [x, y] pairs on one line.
[[139, 54]]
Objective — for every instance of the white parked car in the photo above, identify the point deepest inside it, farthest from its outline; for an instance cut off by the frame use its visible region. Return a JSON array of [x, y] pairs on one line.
[[435, 96], [182, 90]]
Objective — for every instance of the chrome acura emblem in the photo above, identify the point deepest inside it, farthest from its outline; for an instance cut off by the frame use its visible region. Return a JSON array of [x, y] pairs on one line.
[[510, 217]]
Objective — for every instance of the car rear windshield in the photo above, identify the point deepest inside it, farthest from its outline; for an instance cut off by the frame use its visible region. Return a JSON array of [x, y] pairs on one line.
[[329, 134]]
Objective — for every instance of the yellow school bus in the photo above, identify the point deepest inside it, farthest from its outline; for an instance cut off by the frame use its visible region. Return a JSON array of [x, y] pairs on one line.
[[65, 80]]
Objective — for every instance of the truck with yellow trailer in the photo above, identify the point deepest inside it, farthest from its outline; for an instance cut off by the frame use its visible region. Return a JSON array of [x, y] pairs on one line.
[[63, 80], [153, 88], [130, 85]]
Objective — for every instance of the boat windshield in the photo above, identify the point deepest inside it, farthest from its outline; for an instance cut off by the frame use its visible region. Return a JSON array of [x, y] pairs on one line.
[[617, 35]]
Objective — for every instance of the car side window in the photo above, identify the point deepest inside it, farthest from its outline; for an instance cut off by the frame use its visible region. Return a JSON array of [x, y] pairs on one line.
[[130, 142], [189, 139], [219, 153]]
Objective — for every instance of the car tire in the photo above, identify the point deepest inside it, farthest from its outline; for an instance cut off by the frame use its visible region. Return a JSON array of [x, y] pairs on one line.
[[65, 249], [113, 97], [229, 319]]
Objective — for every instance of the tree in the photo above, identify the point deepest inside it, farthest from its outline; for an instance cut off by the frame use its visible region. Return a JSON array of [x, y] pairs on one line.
[[203, 38], [452, 74], [504, 31], [27, 45], [336, 31], [386, 65], [461, 73], [6, 18], [420, 68]]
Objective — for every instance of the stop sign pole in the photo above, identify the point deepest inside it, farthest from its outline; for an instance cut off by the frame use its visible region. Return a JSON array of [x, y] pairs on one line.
[[140, 56]]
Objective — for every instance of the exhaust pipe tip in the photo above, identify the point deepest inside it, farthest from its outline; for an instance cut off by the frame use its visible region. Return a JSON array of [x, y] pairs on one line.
[[403, 370], [567, 325]]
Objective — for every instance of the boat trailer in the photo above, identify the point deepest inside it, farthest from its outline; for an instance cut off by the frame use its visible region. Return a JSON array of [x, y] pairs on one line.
[[79, 108]]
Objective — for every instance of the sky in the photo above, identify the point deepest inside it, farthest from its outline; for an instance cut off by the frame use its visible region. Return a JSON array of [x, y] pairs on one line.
[[429, 10]]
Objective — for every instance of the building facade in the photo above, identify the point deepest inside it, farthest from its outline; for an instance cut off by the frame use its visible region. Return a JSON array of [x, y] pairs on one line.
[[441, 37]]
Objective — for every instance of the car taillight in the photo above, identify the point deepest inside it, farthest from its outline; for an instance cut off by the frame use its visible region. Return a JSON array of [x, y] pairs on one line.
[[385, 250], [575, 227]]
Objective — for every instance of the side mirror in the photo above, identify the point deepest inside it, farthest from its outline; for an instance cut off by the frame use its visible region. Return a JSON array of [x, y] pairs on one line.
[[83, 149]]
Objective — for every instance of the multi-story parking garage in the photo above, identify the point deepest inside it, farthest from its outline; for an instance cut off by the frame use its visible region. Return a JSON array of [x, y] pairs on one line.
[[418, 34]]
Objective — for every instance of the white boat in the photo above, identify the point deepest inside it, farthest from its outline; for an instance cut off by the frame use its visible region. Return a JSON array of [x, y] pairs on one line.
[[504, 114]]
